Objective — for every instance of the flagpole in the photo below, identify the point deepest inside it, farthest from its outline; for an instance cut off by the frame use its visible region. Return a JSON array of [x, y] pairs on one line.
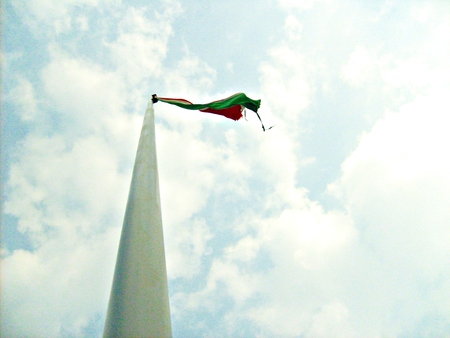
[[139, 300]]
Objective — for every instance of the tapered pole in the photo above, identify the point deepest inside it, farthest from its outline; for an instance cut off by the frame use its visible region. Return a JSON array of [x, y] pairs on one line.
[[139, 300]]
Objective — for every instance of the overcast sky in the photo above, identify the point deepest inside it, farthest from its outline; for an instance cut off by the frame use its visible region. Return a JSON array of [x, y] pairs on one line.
[[335, 223]]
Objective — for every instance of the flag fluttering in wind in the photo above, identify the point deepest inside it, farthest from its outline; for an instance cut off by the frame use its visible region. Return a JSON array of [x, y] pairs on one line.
[[232, 107]]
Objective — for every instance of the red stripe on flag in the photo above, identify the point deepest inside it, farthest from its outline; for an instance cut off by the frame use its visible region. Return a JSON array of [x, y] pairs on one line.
[[234, 113]]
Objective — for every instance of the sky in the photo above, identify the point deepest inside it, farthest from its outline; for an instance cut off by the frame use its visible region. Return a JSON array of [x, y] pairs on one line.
[[334, 223]]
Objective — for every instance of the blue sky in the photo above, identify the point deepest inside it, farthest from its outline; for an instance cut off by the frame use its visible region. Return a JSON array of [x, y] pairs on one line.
[[335, 223]]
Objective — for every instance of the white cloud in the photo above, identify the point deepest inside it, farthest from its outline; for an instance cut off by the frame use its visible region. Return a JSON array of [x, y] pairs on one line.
[[303, 243], [68, 185], [85, 93], [293, 27], [83, 23], [412, 72], [194, 172], [423, 12], [191, 77], [68, 195], [49, 17], [141, 46], [297, 238], [297, 269], [395, 186], [378, 270], [186, 245], [285, 84], [298, 4], [360, 68], [24, 96], [264, 259], [403, 146], [57, 289], [331, 321], [229, 66], [424, 67], [186, 179]]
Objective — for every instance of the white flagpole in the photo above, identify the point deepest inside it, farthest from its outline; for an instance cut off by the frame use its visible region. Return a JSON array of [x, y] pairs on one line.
[[139, 300]]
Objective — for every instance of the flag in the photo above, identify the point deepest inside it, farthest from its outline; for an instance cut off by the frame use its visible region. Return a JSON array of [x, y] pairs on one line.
[[232, 107]]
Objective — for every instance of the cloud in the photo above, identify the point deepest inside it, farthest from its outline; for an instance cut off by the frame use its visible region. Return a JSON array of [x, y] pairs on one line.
[[56, 289], [49, 17], [360, 67], [285, 84], [375, 268], [275, 278], [69, 182], [67, 199], [293, 27], [395, 187], [295, 268], [23, 95], [400, 162], [82, 91], [191, 77], [250, 252], [142, 40], [301, 5]]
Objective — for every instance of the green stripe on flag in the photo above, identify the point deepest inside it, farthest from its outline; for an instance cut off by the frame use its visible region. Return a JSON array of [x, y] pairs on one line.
[[233, 100]]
